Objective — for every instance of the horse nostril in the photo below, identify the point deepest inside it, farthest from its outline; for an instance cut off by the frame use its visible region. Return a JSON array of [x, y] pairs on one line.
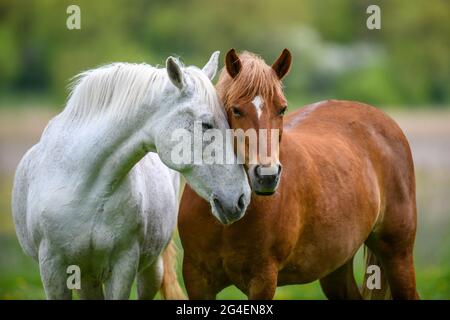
[[218, 205], [241, 202], [279, 169]]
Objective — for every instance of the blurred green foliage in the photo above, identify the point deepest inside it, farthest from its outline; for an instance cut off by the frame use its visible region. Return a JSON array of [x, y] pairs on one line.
[[335, 55]]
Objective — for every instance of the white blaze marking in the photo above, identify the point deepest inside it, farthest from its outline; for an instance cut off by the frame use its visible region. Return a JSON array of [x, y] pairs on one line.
[[258, 102]]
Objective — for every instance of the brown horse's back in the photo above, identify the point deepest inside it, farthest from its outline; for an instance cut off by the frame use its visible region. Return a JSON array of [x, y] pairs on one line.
[[363, 129]]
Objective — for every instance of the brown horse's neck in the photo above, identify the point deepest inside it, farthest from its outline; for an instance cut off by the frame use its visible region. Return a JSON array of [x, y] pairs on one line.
[[302, 170]]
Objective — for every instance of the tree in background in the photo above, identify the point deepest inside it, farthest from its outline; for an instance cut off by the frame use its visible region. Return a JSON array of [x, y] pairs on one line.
[[335, 55]]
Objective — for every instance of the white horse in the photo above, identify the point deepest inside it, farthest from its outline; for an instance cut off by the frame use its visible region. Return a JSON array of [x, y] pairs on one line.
[[90, 194]]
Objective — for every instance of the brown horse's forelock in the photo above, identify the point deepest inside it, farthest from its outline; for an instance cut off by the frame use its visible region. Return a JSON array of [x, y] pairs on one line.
[[255, 78]]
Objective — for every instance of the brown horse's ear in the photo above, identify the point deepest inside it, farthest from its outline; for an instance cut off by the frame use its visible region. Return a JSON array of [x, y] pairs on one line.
[[283, 64], [233, 63]]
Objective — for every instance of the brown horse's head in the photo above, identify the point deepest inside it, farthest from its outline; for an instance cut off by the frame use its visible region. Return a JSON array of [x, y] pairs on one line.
[[253, 98]]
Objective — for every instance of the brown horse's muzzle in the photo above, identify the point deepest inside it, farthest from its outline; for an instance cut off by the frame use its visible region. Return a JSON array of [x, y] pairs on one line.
[[264, 180]]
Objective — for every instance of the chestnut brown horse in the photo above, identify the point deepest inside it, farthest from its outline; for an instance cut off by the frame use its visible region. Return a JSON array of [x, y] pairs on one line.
[[347, 180]]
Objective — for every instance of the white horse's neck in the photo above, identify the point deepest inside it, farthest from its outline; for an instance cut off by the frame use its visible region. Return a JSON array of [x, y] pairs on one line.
[[122, 146], [109, 124], [105, 150]]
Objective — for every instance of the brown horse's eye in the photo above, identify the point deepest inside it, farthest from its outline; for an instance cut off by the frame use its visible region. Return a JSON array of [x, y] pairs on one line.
[[282, 111], [236, 112]]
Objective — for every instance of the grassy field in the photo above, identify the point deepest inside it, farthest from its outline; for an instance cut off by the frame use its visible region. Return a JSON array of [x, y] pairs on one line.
[[428, 133]]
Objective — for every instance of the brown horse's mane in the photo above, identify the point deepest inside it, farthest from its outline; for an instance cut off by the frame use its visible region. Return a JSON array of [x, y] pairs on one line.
[[255, 78]]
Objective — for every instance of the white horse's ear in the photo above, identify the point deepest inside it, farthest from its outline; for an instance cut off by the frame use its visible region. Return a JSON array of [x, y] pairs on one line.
[[175, 73], [210, 68]]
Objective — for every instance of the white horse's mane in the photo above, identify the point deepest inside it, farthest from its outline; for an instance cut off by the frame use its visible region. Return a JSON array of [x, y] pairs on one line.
[[119, 89]]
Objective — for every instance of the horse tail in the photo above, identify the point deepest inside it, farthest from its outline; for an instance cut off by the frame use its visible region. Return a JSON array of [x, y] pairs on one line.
[[170, 288], [384, 293]]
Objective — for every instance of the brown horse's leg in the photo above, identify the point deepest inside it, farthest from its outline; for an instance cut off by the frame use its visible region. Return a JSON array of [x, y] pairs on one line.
[[395, 252], [341, 284], [400, 273], [198, 285], [263, 284]]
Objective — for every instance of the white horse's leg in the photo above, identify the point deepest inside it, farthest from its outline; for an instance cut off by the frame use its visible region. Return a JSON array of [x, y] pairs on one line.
[[150, 279], [123, 273], [53, 275]]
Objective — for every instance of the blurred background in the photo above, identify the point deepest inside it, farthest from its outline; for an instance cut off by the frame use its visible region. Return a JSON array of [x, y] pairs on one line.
[[404, 69]]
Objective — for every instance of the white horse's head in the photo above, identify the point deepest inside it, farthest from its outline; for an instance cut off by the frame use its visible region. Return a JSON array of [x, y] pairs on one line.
[[189, 98]]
